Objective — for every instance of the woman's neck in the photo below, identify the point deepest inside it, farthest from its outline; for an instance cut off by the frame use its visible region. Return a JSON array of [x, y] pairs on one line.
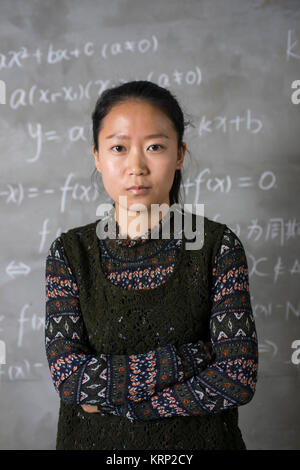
[[133, 224]]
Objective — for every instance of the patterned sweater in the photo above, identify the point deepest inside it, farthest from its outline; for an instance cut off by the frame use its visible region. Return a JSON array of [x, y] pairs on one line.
[[210, 377]]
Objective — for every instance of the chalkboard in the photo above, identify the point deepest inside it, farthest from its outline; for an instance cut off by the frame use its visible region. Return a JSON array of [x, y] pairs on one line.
[[234, 67]]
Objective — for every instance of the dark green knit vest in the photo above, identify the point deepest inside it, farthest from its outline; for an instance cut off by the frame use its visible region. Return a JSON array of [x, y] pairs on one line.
[[176, 312]]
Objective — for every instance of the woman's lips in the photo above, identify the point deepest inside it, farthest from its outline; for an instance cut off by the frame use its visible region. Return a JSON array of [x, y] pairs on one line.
[[141, 190]]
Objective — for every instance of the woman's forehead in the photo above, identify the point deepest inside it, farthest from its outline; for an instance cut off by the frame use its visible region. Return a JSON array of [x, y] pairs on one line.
[[137, 115]]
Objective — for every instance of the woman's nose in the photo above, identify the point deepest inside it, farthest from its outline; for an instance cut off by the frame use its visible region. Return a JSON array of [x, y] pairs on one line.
[[136, 171], [137, 163]]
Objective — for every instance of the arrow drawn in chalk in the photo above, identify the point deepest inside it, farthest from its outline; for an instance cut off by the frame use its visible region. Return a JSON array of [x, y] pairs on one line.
[[14, 269]]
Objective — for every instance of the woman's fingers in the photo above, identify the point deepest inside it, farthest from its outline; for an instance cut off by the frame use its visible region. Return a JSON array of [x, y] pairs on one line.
[[90, 408]]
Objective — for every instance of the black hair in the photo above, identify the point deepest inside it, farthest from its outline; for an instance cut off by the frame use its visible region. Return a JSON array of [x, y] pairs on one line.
[[152, 93]]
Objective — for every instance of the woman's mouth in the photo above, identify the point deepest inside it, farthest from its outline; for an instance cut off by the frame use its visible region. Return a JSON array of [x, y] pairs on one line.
[[138, 190]]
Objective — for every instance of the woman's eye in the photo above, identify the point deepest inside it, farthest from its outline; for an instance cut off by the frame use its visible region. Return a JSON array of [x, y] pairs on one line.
[[115, 146], [156, 145], [122, 147]]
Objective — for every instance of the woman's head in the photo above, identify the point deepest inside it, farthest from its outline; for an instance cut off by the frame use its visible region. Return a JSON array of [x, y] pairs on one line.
[[138, 110]]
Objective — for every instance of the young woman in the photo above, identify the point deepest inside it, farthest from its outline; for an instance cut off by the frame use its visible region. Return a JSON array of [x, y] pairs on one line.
[[150, 345]]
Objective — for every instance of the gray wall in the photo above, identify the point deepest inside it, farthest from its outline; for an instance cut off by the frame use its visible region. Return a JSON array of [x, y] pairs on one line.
[[231, 65]]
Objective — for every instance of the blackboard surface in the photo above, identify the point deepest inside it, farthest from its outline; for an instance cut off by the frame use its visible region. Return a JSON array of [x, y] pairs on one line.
[[231, 64]]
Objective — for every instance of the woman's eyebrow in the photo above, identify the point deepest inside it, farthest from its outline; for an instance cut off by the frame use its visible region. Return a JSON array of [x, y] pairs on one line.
[[152, 136]]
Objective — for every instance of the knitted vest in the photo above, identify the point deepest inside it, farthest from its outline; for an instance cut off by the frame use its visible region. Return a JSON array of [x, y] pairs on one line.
[[121, 321]]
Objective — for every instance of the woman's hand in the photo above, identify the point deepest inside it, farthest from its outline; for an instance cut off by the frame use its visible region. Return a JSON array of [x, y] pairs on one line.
[[90, 408]]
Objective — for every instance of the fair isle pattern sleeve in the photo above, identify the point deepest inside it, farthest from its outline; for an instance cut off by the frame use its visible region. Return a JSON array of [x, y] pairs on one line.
[[230, 380], [79, 376]]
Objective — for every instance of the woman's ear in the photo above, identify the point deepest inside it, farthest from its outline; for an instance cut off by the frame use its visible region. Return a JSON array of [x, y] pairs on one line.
[[96, 158], [181, 154]]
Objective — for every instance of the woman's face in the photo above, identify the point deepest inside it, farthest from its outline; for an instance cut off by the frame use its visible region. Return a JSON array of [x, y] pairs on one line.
[[137, 145]]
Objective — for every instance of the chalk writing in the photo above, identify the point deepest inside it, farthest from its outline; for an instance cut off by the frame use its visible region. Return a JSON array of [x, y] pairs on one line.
[[70, 93], [268, 347], [280, 268], [22, 370], [265, 182], [19, 58], [74, 134], [191, 77], [77, 192], [276, 229], [292, 46], [16, 194], [17, 269], [224, 124], [35, 323], [285, 310], [43, 233]]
